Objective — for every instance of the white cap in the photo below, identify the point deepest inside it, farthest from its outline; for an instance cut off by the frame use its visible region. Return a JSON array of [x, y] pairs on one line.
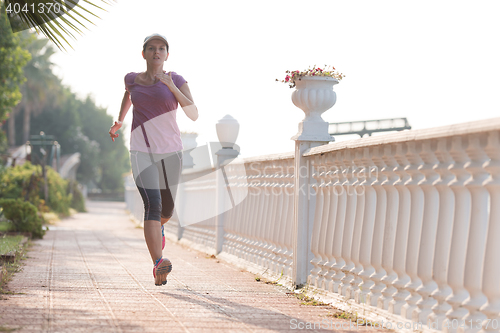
[[155, 36]]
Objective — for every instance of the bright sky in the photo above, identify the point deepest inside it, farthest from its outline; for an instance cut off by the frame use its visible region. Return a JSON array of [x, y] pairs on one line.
[[434, 62]]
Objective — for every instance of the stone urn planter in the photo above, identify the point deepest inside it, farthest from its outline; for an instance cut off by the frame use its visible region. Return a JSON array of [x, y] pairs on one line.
[[314, 95]]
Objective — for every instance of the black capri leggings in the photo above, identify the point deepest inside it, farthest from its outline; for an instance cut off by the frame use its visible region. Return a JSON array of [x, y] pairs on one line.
[[157, 177]]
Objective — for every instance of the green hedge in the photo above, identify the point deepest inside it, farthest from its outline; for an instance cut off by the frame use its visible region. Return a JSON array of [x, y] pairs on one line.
[[26, 182], [77, 200], [23, 215]]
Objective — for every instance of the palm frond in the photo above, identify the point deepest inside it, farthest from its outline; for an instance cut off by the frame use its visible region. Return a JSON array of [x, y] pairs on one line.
[[59, 27]]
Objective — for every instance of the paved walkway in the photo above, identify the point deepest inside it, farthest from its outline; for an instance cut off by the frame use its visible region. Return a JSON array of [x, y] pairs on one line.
[[92, 273]]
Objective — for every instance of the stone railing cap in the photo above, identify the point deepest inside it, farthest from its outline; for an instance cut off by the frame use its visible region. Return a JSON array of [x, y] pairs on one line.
[[480, 126]]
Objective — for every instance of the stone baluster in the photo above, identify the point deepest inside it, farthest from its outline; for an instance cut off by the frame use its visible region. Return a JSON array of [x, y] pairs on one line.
[[253, 217], [429, 230], [247, 219], [243, 188], [329, 202], [240, 218], [275, 215], [358, 225], [281, 218], [403, 225], [415, 230], [476, 246], [336, 262], [491, 288], [379, 228], [330, 205], [257, 220], [365, 252], [319, 225], [444, 232], [390, 165], [461, 226], [274, 223], [287, 235], [232, 221], [263, 216], [266, 217], [352, 200]]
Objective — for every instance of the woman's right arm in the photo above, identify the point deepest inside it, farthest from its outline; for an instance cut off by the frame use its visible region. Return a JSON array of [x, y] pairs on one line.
[[126, 103]]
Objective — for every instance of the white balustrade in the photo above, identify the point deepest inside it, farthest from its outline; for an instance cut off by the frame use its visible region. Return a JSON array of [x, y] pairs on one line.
[[428, 237], [369, 214], [379, 228], [461, 226], [402, 232], [336, 262], [491, 287], [415, 230], [358, 225], [391, 221], [476, 246], [319, 226], [407, 223], [444, 230], [347, 237]]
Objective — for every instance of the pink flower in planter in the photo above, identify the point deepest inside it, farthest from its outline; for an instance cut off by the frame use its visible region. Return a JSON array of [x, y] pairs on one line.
[[293, 76]]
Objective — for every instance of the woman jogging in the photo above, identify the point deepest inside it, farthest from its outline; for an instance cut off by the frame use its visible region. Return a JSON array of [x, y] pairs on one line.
[[155, 142]]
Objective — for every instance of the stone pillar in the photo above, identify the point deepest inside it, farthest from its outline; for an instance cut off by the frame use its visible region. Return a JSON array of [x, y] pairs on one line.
[[227, 132], [314, 95]]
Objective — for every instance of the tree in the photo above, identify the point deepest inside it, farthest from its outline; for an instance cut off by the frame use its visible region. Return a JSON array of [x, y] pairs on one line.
[[40, 81], [40, 86], [81, 126], [12, 60], [58, 25]]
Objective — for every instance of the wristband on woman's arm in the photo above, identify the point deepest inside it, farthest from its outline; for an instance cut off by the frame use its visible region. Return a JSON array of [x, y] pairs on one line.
[[191, 111]]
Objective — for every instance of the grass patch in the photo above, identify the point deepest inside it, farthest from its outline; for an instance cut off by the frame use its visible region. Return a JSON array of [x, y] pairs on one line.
[[10, 243], [6, 329], [276, 283], [309, 300], [5, 226], [10, 268], [50, 217], [354, 318]]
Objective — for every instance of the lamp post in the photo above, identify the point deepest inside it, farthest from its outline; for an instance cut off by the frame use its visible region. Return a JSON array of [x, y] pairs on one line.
[[227, 131], [39, 146]]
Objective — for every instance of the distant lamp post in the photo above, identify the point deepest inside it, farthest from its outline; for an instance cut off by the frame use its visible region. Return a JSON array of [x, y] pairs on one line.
[[27, 146], [43, 149], [227, 131]]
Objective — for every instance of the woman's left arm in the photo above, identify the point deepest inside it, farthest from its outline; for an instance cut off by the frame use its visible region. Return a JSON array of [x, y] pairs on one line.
[[182, 94]]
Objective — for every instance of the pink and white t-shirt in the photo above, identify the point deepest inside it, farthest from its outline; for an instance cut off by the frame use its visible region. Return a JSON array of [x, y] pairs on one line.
[[154, 125]]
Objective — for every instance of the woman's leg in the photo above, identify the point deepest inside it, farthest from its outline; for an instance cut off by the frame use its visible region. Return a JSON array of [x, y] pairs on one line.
[[152, 224], [171, 168], [148, 183], [152, 234]]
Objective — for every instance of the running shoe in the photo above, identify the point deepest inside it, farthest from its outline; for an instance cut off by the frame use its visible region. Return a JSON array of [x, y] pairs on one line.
[[162, 268]]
